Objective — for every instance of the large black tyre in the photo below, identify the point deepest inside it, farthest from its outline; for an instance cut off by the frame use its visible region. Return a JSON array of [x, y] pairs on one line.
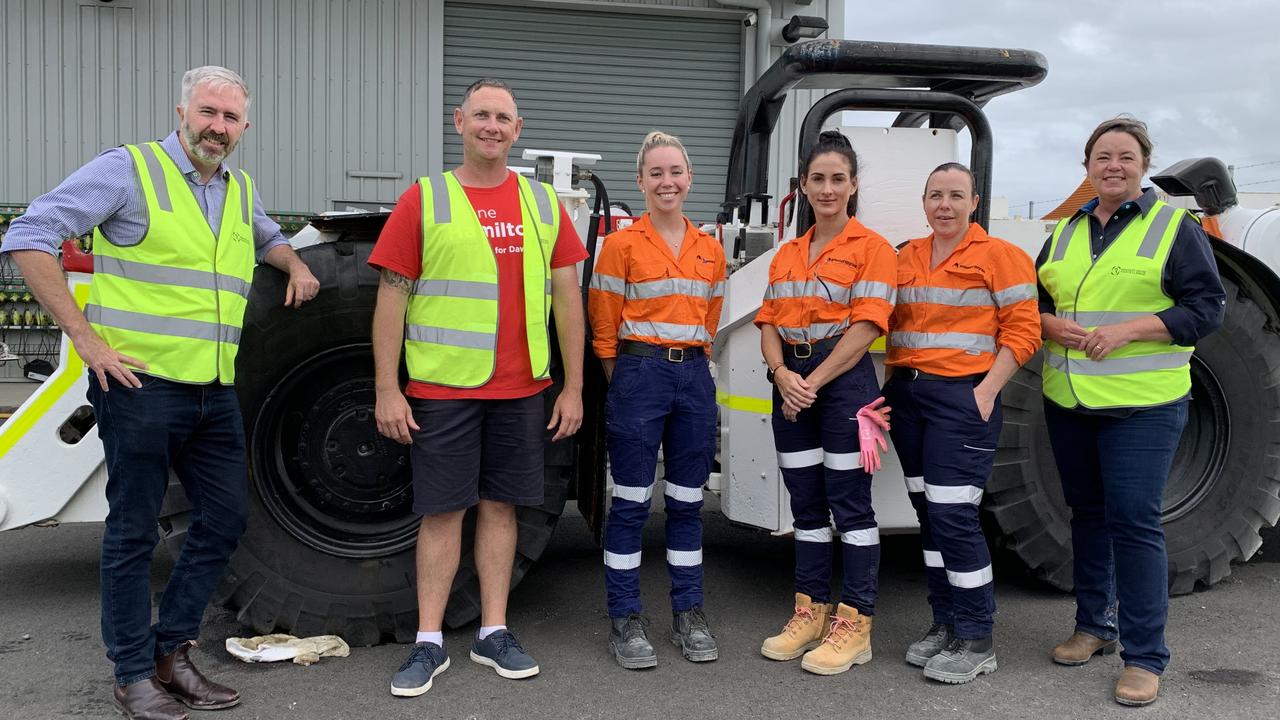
[[1225, 483], [331, 533]]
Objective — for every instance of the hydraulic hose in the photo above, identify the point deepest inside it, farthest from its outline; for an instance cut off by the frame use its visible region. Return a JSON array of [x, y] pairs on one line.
[[593, 230]]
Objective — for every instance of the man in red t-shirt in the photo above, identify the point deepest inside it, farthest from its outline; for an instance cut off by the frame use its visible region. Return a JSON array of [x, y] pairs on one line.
[[480, 445]]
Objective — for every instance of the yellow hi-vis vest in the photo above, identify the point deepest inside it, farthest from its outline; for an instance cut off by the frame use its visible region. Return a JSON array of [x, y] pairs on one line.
[[176, 298], [1121, 284], [451, 330]]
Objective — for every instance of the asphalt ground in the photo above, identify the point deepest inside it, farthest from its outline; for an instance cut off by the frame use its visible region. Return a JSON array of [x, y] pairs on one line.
[[1226, 658]]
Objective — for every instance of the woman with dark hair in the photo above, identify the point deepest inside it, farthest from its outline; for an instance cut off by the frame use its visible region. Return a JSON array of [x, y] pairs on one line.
[[964, 322], [830, 295], [1128, 285]]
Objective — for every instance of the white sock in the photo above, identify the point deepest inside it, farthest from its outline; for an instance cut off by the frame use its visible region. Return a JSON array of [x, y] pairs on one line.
[[431, 637], [488, 630]]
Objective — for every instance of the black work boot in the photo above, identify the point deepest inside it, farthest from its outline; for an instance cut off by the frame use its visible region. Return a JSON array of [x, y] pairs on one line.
[[933, 642], [690, 633], [962, 661], [630, 646]]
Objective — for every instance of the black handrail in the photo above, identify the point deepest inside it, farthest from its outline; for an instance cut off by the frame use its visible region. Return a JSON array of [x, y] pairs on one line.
[[946, 104], [977, 74]]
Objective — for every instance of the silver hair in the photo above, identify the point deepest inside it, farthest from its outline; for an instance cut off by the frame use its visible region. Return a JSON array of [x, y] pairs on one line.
[[212, 75]]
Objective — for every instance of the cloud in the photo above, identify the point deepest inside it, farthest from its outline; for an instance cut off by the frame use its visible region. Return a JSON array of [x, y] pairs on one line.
[[1198, 74], [1085, 39]]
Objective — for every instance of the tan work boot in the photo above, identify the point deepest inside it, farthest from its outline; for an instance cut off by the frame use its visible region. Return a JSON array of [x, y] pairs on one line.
[[848, 643], [1080, 647], [1137, 686], [803, 631]]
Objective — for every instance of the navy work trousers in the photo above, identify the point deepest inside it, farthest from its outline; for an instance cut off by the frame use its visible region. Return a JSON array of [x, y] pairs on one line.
[[821, 466], [653, 402], [1113, 472], [947, 451], [197, 431]]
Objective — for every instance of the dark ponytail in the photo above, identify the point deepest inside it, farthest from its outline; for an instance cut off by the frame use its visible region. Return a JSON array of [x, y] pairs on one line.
[[834, 141]]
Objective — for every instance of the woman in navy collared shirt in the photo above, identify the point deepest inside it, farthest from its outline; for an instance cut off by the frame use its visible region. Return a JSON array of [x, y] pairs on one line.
[[1128, 285]]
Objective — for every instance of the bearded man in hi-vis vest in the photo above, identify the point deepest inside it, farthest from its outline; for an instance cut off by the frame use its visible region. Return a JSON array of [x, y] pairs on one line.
[[473, 261], [177, 234]]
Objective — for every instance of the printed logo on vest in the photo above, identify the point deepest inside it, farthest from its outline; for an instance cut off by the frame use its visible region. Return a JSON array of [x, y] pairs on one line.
[[1117, 270]]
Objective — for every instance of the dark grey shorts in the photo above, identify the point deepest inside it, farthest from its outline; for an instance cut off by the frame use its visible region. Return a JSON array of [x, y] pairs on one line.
[[468, 450]]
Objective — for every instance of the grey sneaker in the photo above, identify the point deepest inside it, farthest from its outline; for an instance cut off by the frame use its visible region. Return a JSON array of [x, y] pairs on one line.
[[426, 661], [629, 644], [933, 642], [503, 652], [690, 633], [962, 661]]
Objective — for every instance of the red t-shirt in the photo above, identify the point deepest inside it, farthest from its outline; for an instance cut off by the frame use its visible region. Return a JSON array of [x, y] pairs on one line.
[[399, 249]]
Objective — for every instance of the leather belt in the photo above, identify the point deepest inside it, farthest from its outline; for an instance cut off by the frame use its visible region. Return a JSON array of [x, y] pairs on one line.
[[807, 349], [910, 373], [670, 354]]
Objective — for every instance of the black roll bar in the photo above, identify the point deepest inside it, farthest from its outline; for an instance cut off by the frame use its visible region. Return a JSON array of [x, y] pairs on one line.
[[943, 105], [976, 74]]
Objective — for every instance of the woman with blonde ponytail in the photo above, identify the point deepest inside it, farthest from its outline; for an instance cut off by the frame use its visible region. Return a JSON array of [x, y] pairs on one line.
[[655, 304]]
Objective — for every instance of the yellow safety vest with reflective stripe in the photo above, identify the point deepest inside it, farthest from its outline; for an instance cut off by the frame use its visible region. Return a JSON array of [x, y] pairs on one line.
[[176, 298], [451, 331], [1121, 284]]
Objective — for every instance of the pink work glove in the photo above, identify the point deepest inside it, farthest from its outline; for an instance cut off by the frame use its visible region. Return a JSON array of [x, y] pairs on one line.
[[871, 427]]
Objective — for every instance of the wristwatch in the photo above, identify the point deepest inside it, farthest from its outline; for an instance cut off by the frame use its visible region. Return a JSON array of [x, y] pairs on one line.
[[769, 373]]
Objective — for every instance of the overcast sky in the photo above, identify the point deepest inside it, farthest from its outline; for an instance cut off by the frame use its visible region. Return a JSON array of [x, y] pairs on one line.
[[1202, 74]]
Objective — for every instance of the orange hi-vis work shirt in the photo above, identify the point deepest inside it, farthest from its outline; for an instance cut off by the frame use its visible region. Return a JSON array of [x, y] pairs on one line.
[[851, 280], [640, 292], [952, 320]]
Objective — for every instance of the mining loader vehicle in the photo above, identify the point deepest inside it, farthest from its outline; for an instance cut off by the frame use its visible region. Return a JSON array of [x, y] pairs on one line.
[[331, 533]]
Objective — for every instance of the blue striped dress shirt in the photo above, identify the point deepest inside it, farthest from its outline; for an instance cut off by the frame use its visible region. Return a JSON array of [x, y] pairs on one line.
[[105, 193]]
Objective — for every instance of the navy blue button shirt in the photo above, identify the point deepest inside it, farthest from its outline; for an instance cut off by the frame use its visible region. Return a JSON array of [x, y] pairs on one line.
[[1190, 274]]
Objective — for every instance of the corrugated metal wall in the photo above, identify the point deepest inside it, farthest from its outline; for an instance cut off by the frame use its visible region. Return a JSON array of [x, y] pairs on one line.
[[598, 82], [334, 82], [340, 86]]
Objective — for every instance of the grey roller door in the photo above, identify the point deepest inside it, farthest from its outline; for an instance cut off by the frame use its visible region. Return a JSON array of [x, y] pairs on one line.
[[598, 81]]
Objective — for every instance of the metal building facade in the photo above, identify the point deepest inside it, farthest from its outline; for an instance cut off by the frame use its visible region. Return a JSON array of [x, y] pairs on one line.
[[349, 95]]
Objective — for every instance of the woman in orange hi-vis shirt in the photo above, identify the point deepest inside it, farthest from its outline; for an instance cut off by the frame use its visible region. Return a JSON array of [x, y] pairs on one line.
[[655, 304], [966, 319], [830, 295]]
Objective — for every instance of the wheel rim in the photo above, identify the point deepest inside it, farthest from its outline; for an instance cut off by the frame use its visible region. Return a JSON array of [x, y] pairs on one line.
[[320, 466], [1202, 450]]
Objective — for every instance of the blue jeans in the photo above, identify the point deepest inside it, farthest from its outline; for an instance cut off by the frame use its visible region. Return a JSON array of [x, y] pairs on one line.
[[195, 430], [654, 402], [1113, 472]]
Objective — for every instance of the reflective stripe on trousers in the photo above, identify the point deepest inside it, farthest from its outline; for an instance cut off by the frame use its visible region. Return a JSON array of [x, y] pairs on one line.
[[821, 468], [947, 451], [653, 402]]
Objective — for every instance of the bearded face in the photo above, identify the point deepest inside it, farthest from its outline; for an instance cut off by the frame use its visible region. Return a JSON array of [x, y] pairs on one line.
[[212, 122], [209, 146]]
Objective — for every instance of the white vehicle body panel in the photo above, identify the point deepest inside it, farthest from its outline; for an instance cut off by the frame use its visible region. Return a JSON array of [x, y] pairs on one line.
[[41, 476], [893, 165]]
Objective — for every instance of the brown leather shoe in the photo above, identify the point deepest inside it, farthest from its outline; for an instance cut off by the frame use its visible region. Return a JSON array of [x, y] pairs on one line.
[[1080, 647], [146, 700], [177, 675], [1137, 686]]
